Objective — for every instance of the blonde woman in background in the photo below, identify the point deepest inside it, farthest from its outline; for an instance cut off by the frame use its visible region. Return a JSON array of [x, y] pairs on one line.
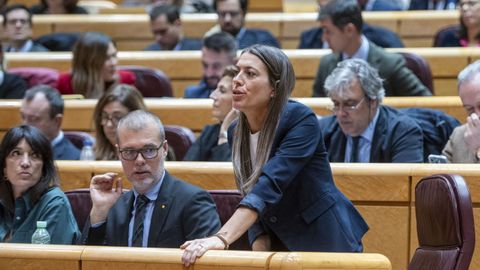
[[94, 68]]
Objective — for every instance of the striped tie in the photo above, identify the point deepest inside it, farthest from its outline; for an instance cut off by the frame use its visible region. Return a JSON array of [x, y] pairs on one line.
[[140, 210]]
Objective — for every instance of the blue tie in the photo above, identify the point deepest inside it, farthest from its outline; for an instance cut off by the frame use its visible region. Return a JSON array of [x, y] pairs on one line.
[[140, 211]]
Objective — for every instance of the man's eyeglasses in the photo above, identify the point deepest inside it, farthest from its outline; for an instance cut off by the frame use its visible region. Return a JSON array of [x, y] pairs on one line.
[[114, 119], [347, 108], [14, 21], [147, 153], [223, 14]]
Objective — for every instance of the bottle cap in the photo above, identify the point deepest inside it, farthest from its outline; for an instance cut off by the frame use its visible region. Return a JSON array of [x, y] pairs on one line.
[[41, 224], [87, 142]]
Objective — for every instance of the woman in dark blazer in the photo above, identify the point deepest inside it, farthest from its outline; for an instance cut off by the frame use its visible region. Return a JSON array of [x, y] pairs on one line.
[[281, 166], [467, 34]]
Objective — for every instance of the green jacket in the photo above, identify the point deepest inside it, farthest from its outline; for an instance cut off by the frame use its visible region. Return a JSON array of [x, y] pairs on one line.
[[21, 218]]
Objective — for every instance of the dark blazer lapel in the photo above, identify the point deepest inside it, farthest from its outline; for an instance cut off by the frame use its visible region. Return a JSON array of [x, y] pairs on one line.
[[378, 136], [124, 217], [161, 209]]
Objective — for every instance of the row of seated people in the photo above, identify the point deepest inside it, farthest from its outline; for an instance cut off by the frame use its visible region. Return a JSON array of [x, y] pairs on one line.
[[397, 79], [399, 135], [43, 107], [219, 50], [200, 6], [265, 77], [94, 68], [166, 27], [142, 149], [62, 224]]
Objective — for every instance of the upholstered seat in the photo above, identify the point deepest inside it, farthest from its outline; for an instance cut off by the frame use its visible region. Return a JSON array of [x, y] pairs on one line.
[[420, 67], [59, 41], [81, 205], [78, 137], [227, 202], [180, 139], [37, 75], [150, 82], [445, 226]]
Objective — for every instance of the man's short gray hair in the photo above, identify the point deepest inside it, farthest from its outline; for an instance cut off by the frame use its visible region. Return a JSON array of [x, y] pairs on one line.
[[351, 70], [137, 120], [468, 73]]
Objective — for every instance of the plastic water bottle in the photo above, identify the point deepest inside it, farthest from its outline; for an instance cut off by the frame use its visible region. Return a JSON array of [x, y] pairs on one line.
[[87, 151], [41, 236]]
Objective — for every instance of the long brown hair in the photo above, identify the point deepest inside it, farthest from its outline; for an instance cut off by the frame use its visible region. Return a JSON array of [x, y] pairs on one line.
[[282, 79], [89, 56], [126, 95]]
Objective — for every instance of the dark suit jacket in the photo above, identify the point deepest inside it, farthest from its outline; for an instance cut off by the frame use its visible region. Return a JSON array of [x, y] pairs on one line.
[[198, 91], [257, 36], [423, 4], [397, 138], [448, 37], [36, 47], [13, 87], [206, 147], [65, 150], [398, 79], [312, 38], [385, 5], [295, 196], [186, 44], [182, 212]]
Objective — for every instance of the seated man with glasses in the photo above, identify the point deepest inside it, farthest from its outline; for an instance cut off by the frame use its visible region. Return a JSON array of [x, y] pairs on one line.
[[43, 108], [231, 19], [160, 211], [17, 25], [361, 129]]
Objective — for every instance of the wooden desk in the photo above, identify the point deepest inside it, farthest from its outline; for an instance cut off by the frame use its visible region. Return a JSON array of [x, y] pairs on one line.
[[108, 258], [184, 67], [310, 260], [26, 257], [383, 193], [196, 113], [51, 257]]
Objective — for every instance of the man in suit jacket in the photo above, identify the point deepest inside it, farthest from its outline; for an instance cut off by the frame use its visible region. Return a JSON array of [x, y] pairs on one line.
[[42, 107], [361, 129], [342, 20], [382, 37], [464, 143], [380, 5], [17, 24], [166, 27], [231, 18], [219, 51], [172, 212], [312, 38]]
